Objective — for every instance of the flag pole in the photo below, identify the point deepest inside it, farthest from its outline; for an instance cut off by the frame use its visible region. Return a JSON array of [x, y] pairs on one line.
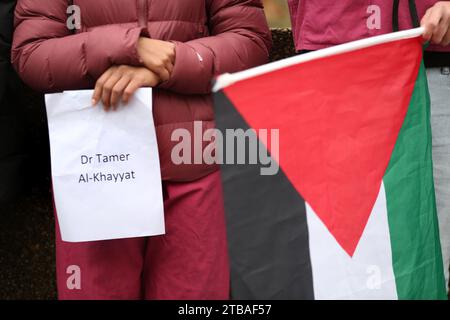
[[228, 79]]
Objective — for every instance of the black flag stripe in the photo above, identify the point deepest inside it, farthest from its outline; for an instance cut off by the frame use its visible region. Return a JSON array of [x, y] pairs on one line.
[[266, 225]]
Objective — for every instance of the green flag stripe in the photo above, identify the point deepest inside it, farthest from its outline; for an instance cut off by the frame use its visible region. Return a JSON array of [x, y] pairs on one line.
[[414, 233]]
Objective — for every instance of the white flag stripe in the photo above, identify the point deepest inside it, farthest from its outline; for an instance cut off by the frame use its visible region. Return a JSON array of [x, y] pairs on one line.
[[368, 274]]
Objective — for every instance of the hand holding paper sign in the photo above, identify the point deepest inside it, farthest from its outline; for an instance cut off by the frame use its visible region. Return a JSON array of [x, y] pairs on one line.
[[157, 56], [121, 82], [105, 168]]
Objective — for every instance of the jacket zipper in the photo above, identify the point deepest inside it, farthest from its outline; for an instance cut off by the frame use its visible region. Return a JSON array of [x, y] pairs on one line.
[[142, 13]]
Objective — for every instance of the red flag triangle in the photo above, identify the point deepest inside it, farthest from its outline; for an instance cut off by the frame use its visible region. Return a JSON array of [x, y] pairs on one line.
[[338, 119]]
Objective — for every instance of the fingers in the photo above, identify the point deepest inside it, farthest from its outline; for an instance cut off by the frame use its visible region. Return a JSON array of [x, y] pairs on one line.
[[431, 23], [118, 90], [436, 23], [170, 67], [439, 33], [108, 88], [122, 82], [446, 40], [439, 24], [428, 26], [158, 56], [163, 72], [170, 57], [167, 62], [99, 85], [160, 65], [131, 88]]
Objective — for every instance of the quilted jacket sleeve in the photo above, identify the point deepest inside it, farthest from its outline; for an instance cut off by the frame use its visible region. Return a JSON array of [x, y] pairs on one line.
[[49, 58], [240, 39]]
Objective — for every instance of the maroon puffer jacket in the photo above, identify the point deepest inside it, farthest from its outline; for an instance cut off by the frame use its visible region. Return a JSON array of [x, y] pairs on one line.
[[212, 37]]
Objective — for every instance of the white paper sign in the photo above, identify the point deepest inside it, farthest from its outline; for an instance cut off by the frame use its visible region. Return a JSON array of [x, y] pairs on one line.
[[105, 167]]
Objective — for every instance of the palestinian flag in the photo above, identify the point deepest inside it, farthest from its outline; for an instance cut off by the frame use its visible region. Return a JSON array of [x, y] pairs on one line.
[[350, 214]]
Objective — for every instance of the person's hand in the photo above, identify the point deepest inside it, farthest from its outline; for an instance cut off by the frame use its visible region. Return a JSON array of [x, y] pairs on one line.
[[436, 22], [121, 82], [158, 56]]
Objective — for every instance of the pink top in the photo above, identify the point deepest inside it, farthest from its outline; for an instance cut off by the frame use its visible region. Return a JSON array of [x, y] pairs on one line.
[[322, 23]]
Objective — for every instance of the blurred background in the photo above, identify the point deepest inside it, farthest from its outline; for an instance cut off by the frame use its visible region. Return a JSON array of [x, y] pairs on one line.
[[277, 13]]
